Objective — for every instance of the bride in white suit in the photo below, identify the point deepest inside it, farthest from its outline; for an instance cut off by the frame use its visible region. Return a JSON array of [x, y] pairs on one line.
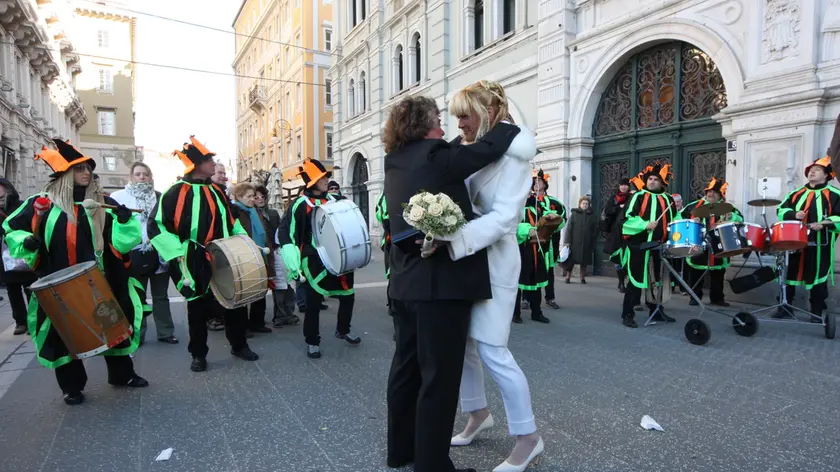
[[498, 194]]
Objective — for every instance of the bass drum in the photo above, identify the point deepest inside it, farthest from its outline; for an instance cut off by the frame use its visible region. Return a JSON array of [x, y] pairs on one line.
[[239, 273], [80, 305], [341, 236]]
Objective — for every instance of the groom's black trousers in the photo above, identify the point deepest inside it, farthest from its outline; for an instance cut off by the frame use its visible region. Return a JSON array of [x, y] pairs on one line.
[[425, 380]]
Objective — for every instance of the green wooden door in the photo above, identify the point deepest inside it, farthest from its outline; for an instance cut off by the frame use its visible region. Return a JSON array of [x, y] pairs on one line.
[[658, 108]]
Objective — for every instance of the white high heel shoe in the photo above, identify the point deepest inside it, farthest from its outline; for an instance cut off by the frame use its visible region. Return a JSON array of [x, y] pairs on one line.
[[460, 440], [508, 467]]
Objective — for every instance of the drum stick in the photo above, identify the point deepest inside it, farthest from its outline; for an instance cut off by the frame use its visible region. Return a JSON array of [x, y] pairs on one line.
[[90, 204], [666, 211]]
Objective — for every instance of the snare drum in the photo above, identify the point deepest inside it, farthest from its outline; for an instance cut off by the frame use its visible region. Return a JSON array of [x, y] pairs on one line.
[[756, 237], [728, 240], [341, 236], [685, 238], [788, 236], [239, 273], [80, 305]]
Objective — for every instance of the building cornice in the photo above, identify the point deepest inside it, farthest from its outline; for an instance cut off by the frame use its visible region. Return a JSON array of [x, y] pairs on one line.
[[104, 15]]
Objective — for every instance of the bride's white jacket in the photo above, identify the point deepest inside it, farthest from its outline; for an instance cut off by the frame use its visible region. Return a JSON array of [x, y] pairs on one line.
[[498, 193]]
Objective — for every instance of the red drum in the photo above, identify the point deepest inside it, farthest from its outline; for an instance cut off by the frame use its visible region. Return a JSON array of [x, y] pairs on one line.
[[788, 236], [756, 237]]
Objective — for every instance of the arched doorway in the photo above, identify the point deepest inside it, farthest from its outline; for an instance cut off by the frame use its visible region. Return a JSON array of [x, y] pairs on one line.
[[358, 185], [658, 107]]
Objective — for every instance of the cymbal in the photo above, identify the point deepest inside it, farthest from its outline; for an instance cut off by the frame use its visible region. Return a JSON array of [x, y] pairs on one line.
[[764, 202], [710, 209]]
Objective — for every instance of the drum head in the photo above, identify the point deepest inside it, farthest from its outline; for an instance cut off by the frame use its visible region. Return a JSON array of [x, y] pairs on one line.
[[62, 275], [223, 277]]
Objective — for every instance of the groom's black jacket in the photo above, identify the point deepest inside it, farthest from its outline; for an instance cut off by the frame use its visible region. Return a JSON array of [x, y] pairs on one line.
[[433, 165]]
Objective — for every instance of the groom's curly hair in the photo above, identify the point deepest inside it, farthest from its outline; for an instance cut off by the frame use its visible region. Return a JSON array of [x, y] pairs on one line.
[[410, 120]]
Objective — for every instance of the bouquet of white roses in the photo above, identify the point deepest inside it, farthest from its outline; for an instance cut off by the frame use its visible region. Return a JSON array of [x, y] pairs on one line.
[[434, 215]]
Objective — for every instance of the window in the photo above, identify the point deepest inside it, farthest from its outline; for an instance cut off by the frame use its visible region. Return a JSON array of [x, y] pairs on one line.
[[416, 63], [327, 40], [329, 145], [107, 121], [362, 100], [364, 12], [299, 96], [328, 92], [271, 117], [298, 145], [297, 3], [398, 69], [268, 36], [103, 39], [110, 163], [478, 24], [351, 105], [106, 82], [508, 16], [288, 106], [288, 57], [352, 9], [297, 43]]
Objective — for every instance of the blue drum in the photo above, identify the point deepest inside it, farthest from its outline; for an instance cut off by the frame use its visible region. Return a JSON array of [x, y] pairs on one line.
[[685, 239]]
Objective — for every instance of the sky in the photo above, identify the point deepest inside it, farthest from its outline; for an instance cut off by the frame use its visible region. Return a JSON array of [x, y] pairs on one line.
[[171, 104]]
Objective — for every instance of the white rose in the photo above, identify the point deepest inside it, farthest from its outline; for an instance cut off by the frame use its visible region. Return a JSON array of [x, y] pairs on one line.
[[415, 199], [450, 220], [435, 209], [451, 206], [416, 213], [443, 198], [429, 198]]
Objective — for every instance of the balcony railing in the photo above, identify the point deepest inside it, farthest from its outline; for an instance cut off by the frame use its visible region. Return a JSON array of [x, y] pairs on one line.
[[257, 97]]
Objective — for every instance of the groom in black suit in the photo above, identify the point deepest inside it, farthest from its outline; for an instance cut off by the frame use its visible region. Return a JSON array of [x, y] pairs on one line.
[[433, 296]]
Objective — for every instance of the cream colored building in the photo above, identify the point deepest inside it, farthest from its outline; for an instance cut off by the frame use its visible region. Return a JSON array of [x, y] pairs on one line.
[[284, 107], [106, 88], [38, 68]]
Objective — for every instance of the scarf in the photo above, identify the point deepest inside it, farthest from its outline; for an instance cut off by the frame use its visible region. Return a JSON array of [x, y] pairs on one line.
[[257, 229], [144, 194], [621, 198]]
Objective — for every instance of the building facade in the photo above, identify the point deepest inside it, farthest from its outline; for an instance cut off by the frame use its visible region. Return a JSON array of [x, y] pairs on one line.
[[38, 69], [746, 90], [284, 108], [106, 88]]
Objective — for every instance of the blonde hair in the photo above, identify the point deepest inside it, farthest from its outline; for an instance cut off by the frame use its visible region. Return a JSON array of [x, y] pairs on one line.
[[137, 164], [478, 98], [242, 188], [60, 192]]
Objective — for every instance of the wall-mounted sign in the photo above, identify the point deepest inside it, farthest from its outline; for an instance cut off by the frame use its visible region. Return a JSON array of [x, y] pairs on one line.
[[731, 145]]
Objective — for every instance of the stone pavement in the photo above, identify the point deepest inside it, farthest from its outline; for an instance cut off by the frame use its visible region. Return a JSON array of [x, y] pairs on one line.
[[766, 403]]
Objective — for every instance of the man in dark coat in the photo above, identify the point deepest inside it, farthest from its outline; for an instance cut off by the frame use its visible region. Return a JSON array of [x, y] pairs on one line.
[[17, 281], [610, 224], [432, 296]]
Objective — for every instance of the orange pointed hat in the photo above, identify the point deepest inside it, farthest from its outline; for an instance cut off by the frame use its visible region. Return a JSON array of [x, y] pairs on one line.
[[824, 162], [63, 157], [659, 170], [312, 171], [718, 185], [194, 153]]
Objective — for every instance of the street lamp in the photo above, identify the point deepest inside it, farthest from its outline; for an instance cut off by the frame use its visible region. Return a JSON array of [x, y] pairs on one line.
[[277, 137]]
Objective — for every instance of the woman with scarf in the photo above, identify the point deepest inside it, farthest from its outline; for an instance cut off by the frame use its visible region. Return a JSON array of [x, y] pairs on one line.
[[256, 227], [58, 233], [146, 265]]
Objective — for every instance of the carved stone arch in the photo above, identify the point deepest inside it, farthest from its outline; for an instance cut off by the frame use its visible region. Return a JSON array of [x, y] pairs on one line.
[[584, 104]]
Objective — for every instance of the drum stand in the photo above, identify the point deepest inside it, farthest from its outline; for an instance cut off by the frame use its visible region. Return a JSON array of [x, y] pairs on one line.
[[827, 321]]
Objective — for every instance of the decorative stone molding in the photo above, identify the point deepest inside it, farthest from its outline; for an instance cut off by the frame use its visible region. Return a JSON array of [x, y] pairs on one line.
[[781, 30], [831, 32]]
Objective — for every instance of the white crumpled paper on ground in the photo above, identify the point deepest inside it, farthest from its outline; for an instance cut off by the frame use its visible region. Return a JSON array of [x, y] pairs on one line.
[[164, 455], [649, 424]]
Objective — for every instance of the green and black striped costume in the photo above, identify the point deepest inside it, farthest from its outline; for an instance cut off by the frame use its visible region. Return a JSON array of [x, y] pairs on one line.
[[814, 264], [644, 207], [385, 221], [557, 207], [189, 216], [298, 247], [536, 259], [64, 244]]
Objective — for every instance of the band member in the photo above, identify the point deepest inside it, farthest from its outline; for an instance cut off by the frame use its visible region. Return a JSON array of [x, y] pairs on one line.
[[216, 321], [646, 221], [301, 258], [817, 204], [677, 262], [58, 233], [498, 193], [535, 257], [715, 192], [385, 243], [190, 215], [610, 226], [557, 207]]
